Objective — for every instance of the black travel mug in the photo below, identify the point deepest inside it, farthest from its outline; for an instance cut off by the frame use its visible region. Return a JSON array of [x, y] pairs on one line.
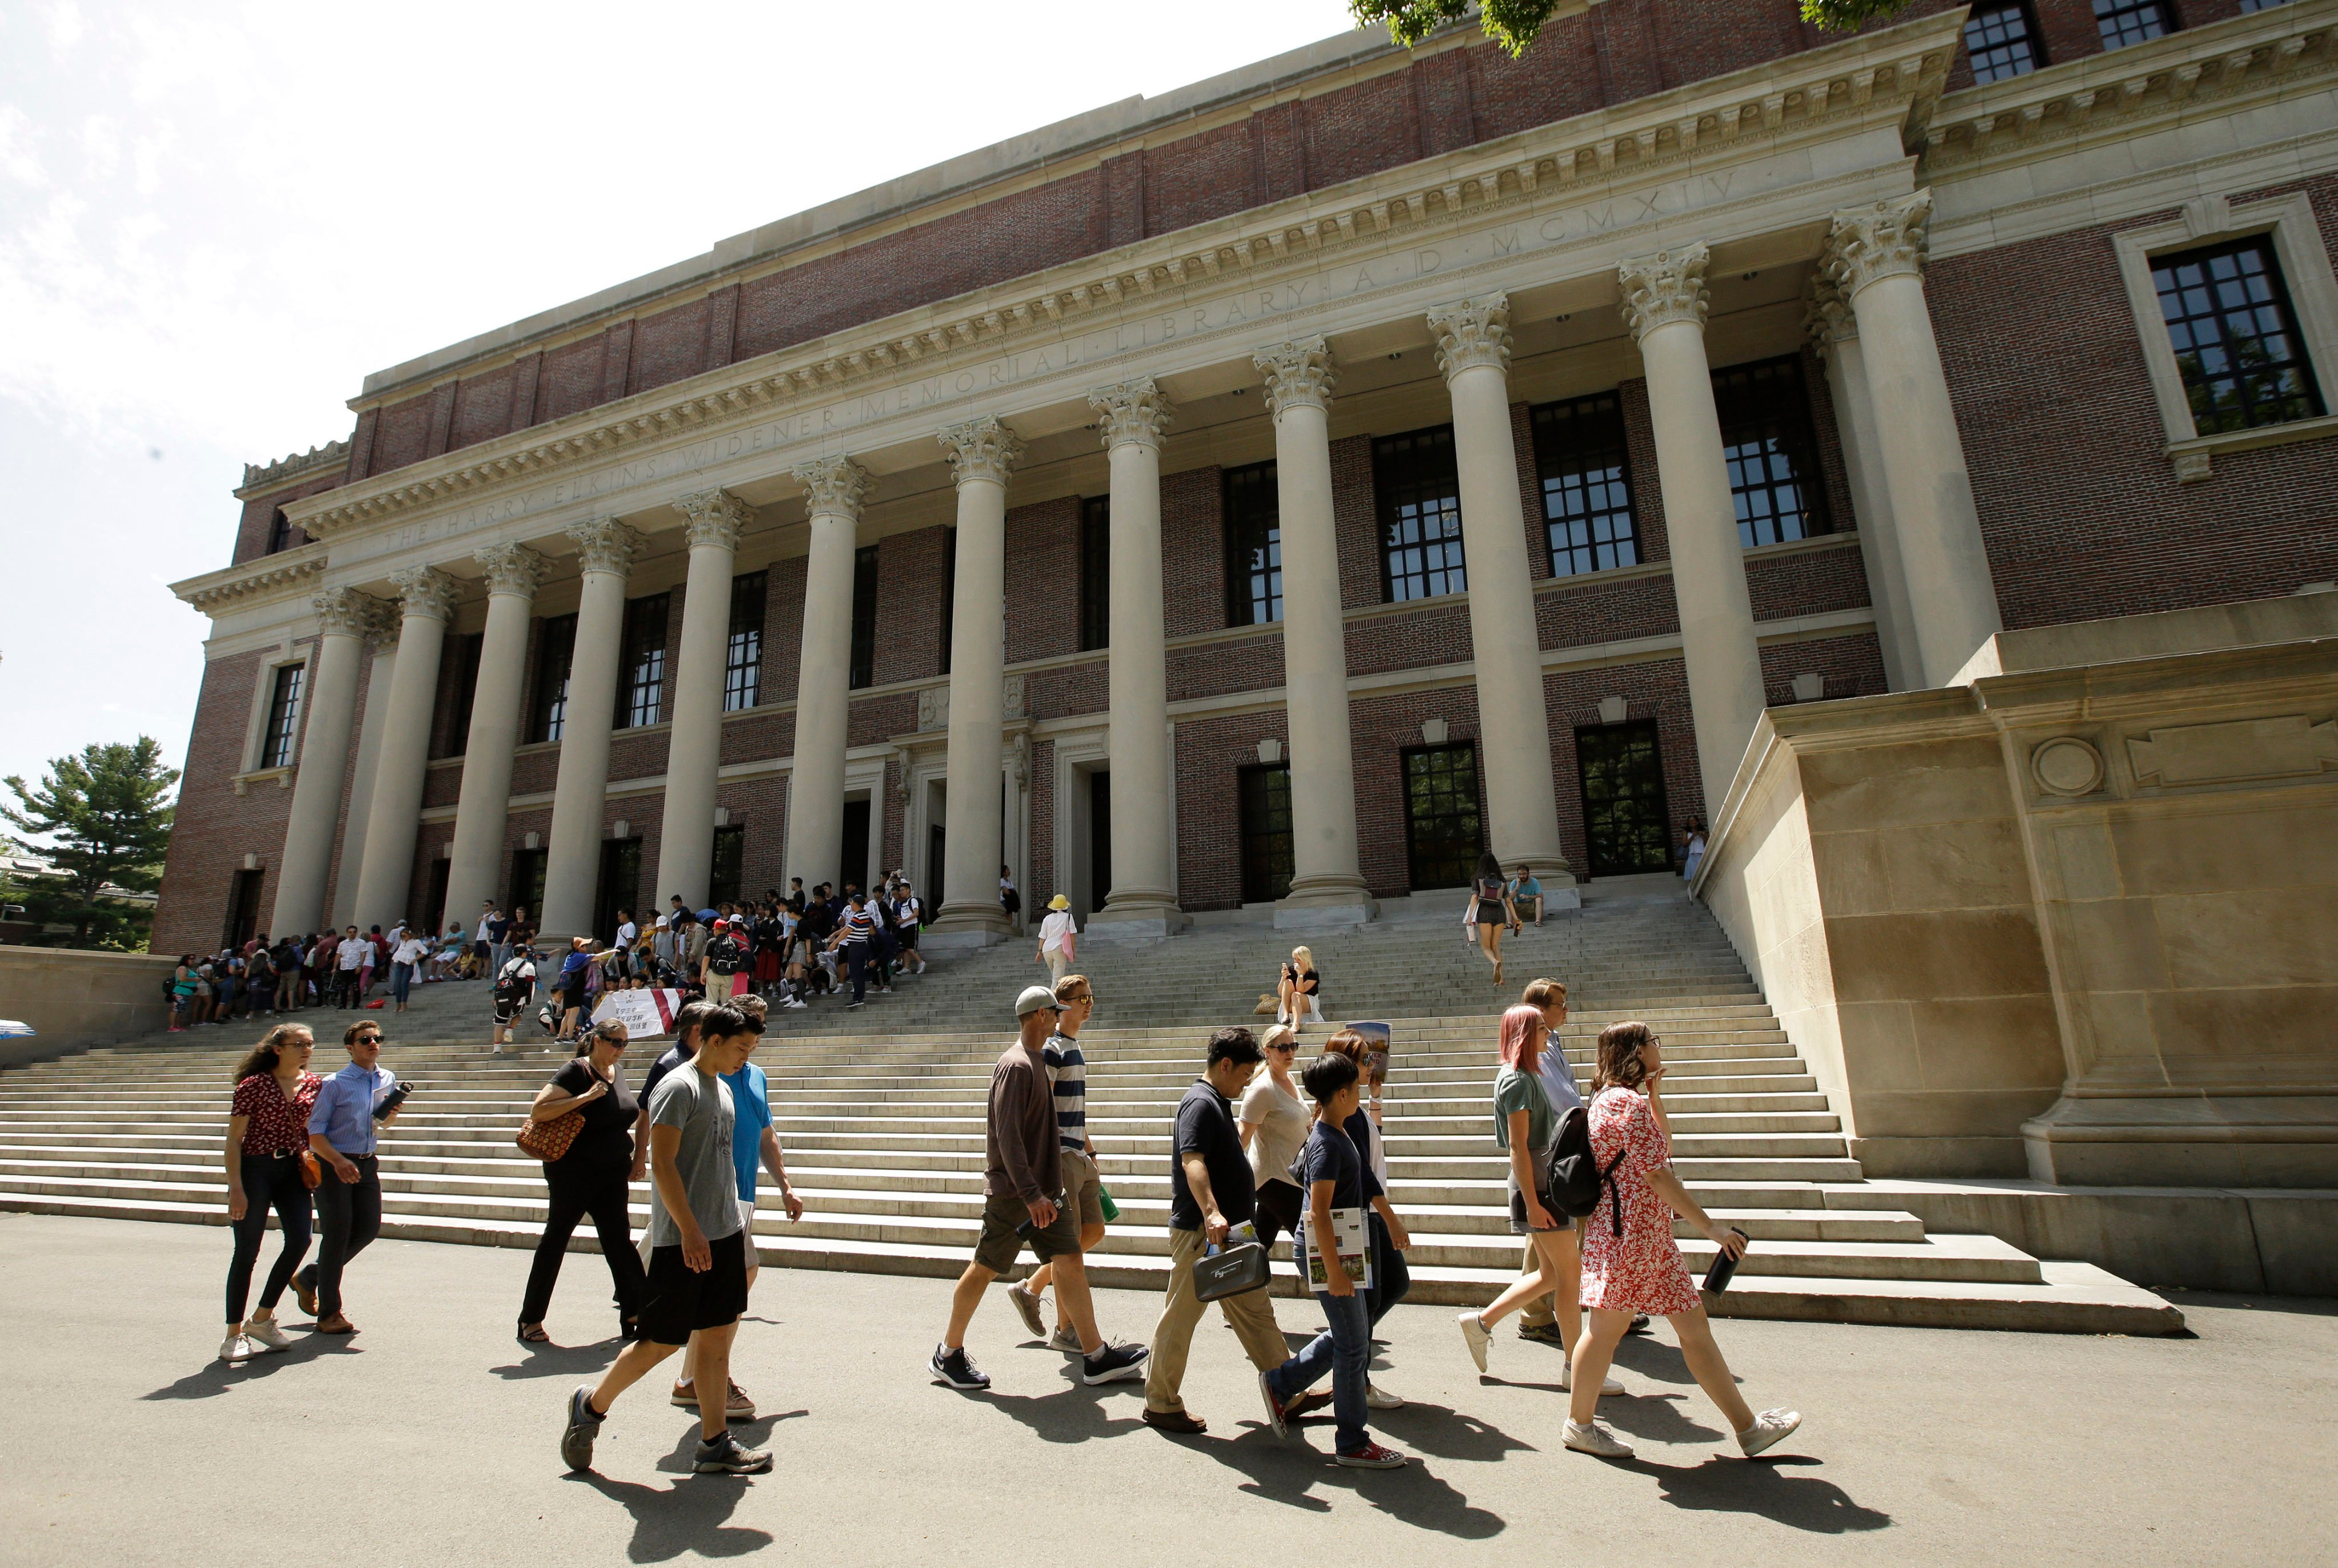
[[1724, 1267]]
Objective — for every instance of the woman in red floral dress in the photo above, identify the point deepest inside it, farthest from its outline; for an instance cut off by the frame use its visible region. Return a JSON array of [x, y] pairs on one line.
[[1640, 1269]]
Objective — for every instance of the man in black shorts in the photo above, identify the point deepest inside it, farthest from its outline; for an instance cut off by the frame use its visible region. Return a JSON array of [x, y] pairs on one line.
[[698, 1256]]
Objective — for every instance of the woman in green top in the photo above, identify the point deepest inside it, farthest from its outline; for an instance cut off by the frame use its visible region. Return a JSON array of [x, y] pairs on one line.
[[1525, 1128]]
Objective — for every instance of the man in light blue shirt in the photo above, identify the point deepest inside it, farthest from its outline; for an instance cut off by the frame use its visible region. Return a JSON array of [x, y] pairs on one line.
[[344, 1133]]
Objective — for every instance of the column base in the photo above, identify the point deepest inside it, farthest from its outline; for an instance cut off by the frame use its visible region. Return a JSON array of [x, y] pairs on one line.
[[1140, 917], [961, 926], [2235, 1139], [1325, 904]]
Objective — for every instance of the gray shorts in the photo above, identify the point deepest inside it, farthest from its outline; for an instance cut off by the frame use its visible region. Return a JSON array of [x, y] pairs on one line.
[[1519, 1226]]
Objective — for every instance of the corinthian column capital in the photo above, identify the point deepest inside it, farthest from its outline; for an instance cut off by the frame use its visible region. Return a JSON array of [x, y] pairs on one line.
[[605, 545], [348, 612], [1828, 318], [1883, 240], [1664, 287], [1472, 332], [426, 591], [1133, 412], [981, 449], [1299, 374], [512, 569], [716, 517], [834, 486]]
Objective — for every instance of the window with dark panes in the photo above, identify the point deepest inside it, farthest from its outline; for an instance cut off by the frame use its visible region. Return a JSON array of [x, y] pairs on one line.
[[280, 532], [527, 867], [864, 616], [1253, 515], [2002, 41], [725, 876], [1625, 826], [2236, 336], [950, 606], [2248, 5], [640, 679], [283, 716], [467, 653], [1443, 831], [1587, 494], [554, 652], [1772, 455], [1263, 793], [1419, 494], [743, 651], [2125, 21], [1095, 573]]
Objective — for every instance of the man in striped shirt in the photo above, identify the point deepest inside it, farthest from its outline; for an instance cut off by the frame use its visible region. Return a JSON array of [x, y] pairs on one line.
[[1068, 1070], [855, 935]]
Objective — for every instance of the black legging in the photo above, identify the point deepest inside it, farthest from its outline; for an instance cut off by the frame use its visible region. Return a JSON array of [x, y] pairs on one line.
[[599, 1190], [268, 1183]]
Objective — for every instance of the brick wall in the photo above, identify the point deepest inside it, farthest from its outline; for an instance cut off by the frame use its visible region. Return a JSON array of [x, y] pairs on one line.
[[258, 520]]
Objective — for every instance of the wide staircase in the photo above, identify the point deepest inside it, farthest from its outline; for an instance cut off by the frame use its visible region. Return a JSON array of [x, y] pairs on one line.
[[880, 1110]]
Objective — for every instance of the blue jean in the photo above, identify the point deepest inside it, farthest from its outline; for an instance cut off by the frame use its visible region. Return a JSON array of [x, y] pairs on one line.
[[401, 976], [1345, 1349]]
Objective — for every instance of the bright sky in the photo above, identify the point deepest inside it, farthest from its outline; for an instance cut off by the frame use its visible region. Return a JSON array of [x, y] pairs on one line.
[[216, 218]]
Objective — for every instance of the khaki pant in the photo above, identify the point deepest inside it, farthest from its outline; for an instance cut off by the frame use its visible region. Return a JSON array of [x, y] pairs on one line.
[[1059, 965], [1252, 1313]]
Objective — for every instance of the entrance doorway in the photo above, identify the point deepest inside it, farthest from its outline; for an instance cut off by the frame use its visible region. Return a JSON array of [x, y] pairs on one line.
[[434, 901], [1626, 827], [852, 862], [1099, 838], [620, 885], [1263, 793], [526, 884], [244, 908]]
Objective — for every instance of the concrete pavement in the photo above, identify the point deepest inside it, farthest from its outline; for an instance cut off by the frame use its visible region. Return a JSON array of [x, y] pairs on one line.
[[432, 1437]]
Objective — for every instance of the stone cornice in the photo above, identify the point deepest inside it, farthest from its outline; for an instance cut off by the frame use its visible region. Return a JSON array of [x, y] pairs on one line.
[[1895, 73], [261, 477], [268, 577], [2113, 96]]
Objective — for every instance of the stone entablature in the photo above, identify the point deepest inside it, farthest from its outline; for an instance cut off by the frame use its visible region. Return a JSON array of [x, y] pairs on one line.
[[253, 582], [258, 478]]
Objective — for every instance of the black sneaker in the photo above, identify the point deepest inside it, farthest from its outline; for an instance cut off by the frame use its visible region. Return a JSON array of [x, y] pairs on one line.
[[1543, 1334], [1112, 1363], [1639, 1324], [957, 1369], [583, 1425], [726, 1456]]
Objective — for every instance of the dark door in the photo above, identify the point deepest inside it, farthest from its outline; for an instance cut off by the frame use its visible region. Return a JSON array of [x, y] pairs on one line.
[[620, 885], [1264, 792], [1443, 830], [1622, 769], [244, 908], [1099, 838], [935, 841], [853, 863], [722, 883], [526, 884], [434, 901]]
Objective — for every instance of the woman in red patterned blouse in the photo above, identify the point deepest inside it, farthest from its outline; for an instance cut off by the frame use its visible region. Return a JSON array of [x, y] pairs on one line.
[[267, 1133], [1630, 1262]]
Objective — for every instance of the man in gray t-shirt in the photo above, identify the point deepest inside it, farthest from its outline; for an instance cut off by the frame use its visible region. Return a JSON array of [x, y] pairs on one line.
[[698, 1104]]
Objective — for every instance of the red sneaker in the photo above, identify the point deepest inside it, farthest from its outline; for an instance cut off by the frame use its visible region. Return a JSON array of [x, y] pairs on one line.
[[1372, 1457]]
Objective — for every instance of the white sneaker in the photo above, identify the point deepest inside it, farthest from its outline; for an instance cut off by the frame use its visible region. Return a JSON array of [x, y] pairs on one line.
[[266, 1333], [1608, 1386], [1474, 1335], [1380, 1398], [1595, 1439], [234, 1347], [1768, 1428]]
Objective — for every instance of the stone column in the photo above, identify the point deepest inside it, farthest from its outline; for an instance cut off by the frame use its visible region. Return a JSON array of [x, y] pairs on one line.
[[484, 810], [1327, 883], [981, 451], [1876, 253], [572, 862], [379, 673], [1664, 305], [1473, 349], [1144, 897], [834, 489], [427, 597], [1836, 331], [345, 618], [693, 751]]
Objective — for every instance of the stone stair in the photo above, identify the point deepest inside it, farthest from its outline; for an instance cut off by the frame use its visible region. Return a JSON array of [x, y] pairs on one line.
[[880, 1112]]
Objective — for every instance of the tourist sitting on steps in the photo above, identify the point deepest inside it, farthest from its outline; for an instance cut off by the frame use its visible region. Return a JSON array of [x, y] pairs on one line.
[[1299, 992]]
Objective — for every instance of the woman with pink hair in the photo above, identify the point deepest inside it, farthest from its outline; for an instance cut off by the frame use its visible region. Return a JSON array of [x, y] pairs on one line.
[[1525, 1128]]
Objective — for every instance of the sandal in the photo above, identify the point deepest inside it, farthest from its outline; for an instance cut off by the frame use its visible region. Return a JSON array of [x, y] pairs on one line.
[[533, 1334]]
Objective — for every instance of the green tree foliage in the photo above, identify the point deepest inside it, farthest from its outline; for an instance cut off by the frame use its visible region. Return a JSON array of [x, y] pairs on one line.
[[105, 819], [1513, 23]]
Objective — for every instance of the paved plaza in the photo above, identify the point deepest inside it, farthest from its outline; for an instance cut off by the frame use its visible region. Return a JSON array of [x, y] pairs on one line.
[[432, 1438]]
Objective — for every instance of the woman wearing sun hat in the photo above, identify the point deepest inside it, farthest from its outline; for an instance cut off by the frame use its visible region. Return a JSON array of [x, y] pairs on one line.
[[1058, 938]]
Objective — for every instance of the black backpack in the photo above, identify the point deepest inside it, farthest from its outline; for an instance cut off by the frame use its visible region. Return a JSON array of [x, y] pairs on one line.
[[725, 956], [1576, 1178]]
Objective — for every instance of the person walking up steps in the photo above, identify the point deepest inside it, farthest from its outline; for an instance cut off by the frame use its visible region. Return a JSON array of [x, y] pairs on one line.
[[698, 1268], [267, 1133], [344, 1132], [1631, 1262], [1067, 1071], [1058, 939], [1022, 1200], [1491, 910]]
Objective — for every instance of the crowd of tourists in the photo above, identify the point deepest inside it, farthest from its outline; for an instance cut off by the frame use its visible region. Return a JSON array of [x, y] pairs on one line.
[[1265, 1148], [264, 976]]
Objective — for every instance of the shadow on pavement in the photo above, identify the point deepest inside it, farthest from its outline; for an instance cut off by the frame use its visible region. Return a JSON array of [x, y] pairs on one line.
[[1653, 1357], [688, 1516], [1072, 1415], [217, 1377], [1762, 1486], [1433, 1429], [1288, 1473], [1658, 1418], [561, 1360]]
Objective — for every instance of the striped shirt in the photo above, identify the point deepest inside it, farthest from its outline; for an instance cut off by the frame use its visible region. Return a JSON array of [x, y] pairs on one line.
[[860, 925], [1068, 1070]]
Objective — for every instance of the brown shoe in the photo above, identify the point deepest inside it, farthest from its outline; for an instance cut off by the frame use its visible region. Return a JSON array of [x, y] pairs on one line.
[[1178, 1422], [1307, 1404], [339, 1323]]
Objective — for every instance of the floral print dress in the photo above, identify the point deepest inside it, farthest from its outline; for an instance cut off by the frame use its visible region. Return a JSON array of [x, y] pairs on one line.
[[1641, 1271]]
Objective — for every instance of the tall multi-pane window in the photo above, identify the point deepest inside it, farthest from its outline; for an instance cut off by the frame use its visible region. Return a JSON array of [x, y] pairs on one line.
[[2125, 21], [2236, 336], [1419, 494], [743, 651], [1587, 494], [467, 653], [554, 652], [1095, 573], [1765, 435], [280, 532], [2001, 41], [640, 679], [949, 604], [1262, 798], [1443, 830], [283, 716], [1253, 545], [864, 616]]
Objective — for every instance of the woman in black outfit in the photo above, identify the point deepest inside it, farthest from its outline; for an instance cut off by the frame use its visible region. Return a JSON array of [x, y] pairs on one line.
[[589, 1179], [1491, 910]]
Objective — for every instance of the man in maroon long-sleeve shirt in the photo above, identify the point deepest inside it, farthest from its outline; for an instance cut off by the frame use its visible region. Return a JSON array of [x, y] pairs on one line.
[[1022, 1200]]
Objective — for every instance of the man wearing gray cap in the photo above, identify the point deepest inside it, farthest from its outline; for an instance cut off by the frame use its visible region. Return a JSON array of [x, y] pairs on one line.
[[1022, 1200]]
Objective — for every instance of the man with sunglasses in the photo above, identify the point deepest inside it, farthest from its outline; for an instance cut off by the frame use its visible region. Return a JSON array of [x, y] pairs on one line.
[[1067, 1071], [344, 1132]]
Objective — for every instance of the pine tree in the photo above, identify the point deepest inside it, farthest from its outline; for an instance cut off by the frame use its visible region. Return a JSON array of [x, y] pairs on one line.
[[105, 818]]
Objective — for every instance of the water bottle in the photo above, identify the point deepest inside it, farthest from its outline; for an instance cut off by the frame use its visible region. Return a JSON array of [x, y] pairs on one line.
[[1724, 1267], [1243, 1235], [1104, 1201]]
